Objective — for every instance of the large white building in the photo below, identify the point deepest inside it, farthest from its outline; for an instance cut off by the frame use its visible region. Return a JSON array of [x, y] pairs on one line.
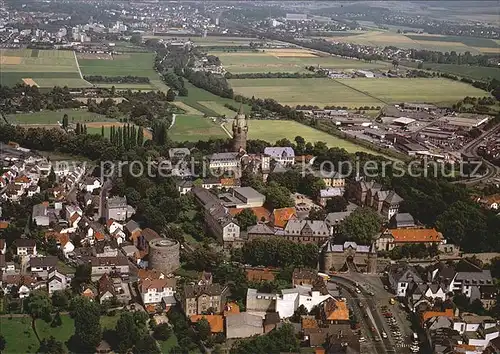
[[156, 290], [283, 155]]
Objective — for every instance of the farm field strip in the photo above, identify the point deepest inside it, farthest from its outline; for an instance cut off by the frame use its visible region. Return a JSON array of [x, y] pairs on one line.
[[194, 128], [133, 64], [287, 60], [52, 117], [189, 110], [319, 92], [218, 108]]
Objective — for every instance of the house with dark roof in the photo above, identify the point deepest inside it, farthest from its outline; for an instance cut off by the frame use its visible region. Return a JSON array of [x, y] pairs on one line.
[[25, 247], [402, 221], [306, 231], [41, 265], [196, 299], [402, 277], [260, 230]]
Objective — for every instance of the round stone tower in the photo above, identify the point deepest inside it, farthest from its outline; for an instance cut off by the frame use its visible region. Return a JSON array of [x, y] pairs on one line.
[[164, 255]]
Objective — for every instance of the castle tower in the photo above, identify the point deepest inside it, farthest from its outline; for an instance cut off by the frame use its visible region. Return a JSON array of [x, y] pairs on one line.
[[240, 131]]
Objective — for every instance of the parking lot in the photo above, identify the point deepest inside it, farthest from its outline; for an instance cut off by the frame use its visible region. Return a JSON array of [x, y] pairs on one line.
[[399, 339]]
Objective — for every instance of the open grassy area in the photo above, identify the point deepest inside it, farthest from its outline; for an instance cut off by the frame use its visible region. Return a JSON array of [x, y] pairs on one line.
[[167, 345], [473, 72], [195, 128], [18, 334], [273, 130], [320, 92], [61, 333], [196, 95], [218, 108], [287, 60], [133, 64], [52, 117], [45, 68], [441, 91]]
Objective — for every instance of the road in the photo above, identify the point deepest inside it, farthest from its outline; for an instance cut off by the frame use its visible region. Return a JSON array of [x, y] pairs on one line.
[[372, 304]]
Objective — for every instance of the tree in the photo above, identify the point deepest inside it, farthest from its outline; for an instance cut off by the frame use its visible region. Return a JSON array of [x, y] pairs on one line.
[[316, 214], [136, 39], [88, 332], [301, 311], [38, 305], [65, 121], [51, 346], [203, 328], [82, 276], [246, 218], [170, 95], [336, 204], [102, 131], [278, 340], [278, 196], [162, 331], [361, 226], [140, 136], [146, 345], [130, 328], [3, 343], [51, 178], [57, 321]]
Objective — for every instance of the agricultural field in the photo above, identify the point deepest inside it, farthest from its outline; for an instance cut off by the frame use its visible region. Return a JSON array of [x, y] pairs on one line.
[[197, 95], [218, 108], [52, 117], [274, 130], [287, 60], [211, 41], [353, 93], [195, 128], [380, 38], [42, 68], [317, 92], [133, 64], [473, 72], [439, 91]]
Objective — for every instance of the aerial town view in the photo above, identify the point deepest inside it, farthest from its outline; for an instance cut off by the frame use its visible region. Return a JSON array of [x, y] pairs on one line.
[[249, 177]]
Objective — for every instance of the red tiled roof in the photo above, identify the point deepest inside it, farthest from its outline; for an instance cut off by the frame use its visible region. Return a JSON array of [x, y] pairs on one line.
[[260, 275], [99, 236], [261, 213], [231, 308], [216, 322], [429, 314], [4, 224], [281, 216], [416, 235], [110, 222]]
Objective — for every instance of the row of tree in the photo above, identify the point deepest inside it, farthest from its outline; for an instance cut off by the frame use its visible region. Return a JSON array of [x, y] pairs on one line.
[[129, 79], [275, 75], [127, 136]]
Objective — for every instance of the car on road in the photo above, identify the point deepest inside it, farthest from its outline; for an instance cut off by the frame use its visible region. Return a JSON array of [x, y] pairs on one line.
[[358, 291], [384, 335], [362, 339]]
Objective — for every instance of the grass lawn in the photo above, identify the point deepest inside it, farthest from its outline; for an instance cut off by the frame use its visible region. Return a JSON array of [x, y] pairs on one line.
[[273, 130], [52, 117], [194, 128], [134, 64], [195, 95], [287, 60], [109, 322], [167, 345], [18, 334], [189, 110], [218, 108], [61, 333], [473, 72], [319, 92], [420, 90], [133, 87], [66, 269]]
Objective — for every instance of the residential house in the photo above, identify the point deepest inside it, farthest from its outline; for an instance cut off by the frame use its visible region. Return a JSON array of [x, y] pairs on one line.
[[13, 192], [291, 299], [284, 156], [259, 303], [216, 322], [105, 288], [24, 283], [332, 179], [402, 277], [132, 230], [399, 237], [217, 218], [387, 203], [224, 161], [257, 274], [306, 231], [280, 217], [490, 202], [304, 277], [196, 299], [40, 215], [106, 265], [40, 266], [402, 221], [329, 193], [73, 215], [206, 278], [154, 291], [25, 247], [117, 209], [420, 294], [56, 281], [90, 184], [334, 221], [260, 230], [334, 311], [115, 229], [32, 190]]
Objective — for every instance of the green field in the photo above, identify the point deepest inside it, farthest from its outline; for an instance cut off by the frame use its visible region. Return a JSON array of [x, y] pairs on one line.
[[212, 41], [133, 64], [218, 108], [441, 91], [355, 92], [194, 128], [18, 334], [318, 92], [274, 130], [283, 60], [469, 41], [196, 95], [47, 68], [473, 72], [52, 117]]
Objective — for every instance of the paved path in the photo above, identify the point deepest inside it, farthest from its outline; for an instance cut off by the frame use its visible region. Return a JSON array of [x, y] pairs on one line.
[[226, 131], [173, 120]]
